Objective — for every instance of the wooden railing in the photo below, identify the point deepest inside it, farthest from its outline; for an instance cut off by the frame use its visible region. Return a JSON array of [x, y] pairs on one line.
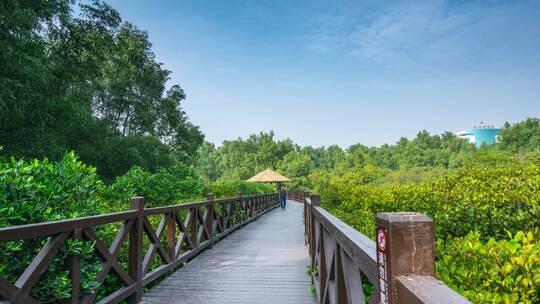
[[183, 232], [400, 266]]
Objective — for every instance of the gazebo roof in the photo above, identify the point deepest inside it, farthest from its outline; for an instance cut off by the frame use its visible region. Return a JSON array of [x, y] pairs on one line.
[[268, 176]]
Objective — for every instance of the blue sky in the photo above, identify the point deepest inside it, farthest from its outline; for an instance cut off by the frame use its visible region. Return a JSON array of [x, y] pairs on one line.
[[345, 72]]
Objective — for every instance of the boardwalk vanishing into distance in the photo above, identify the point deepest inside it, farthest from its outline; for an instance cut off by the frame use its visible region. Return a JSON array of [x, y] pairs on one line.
[[263, 262]]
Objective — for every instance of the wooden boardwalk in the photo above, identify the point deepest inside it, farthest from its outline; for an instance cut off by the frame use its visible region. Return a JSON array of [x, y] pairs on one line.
[[263, 262]]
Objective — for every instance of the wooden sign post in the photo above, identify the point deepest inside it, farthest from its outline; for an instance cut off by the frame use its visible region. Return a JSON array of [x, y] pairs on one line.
[[405, 247]]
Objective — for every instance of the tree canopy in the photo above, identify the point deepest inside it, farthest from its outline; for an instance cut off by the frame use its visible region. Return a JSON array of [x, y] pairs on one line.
[[88, 83], [521, 137], [241, 158]]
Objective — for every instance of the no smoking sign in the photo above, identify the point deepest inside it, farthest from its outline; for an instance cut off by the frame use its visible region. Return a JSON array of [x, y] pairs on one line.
[[381, 240]]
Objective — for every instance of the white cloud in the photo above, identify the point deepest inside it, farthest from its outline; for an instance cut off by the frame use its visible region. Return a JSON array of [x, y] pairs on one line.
[[428, 31]]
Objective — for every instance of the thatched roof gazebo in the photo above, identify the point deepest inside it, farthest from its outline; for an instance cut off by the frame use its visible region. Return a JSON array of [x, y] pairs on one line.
[[269, 176]]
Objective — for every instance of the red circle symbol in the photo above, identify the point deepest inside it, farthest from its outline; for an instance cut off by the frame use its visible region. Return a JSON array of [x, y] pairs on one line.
[[381, 240]]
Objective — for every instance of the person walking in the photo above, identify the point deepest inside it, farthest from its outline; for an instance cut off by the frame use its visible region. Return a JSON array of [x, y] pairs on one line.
[[282, 197]]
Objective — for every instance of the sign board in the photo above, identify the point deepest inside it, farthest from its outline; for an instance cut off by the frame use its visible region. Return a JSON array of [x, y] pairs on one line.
[[381, 240], [382, 246]]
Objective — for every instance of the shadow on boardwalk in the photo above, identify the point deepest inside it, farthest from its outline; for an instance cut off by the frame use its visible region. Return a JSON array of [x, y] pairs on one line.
[[264, 262]]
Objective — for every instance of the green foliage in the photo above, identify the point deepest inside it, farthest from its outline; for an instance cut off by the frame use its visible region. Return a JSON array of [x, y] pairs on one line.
[[486, 219], [231, 188], [296, 164], [312, 290], [208, 163], [408, 160], [312, 271], [39, 191], [241, 159], [489, 200], [521, 137], [165, 187], [413, 175], [492, 271], [90, 83], [115, 155], [485, 155]]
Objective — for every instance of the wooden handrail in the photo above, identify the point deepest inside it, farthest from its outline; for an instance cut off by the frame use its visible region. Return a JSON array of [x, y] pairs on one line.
[[400, 265], [54, 227], [175, 240]]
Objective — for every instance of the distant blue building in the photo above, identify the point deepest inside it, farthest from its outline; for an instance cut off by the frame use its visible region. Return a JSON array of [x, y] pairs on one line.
[[482, 134]]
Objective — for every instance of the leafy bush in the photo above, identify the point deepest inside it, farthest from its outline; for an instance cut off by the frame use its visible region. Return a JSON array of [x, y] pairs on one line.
[[231, 188], [165, 187], [413, 175], [504, 271], [39, 191], [501, 205], [488, 200]]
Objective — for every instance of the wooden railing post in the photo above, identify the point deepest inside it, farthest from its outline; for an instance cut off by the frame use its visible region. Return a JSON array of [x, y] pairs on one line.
[[405, 247], [171, 234], [74, 264], [307, 220], [251, 203], [257, 205], [209, 222], [244, 205], [194, 226], [135, 249], [315, 202], [241, 204]]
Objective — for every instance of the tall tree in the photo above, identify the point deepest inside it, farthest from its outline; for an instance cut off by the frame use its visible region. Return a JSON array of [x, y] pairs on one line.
[[209, 165]]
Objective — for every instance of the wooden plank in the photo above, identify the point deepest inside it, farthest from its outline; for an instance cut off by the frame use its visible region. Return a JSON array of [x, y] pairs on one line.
[[174, 208], [109, 255], [135, 250], [177, 208], [194, 220], [358, 247], [155, 243], [38, 265], [264, 262], [426, 290], [352, 279], [118, 295], [74, 265], [56, 227], [171, 235], [8, 290]]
